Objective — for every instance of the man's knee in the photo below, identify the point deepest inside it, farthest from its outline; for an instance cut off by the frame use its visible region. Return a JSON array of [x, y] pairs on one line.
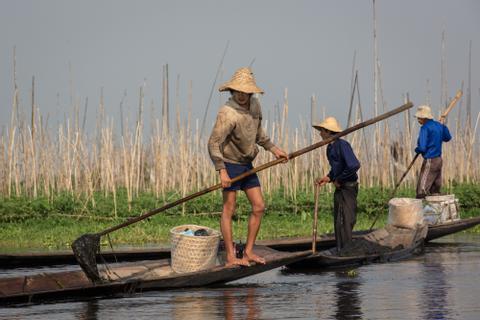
[[258, 208], [229, 208]]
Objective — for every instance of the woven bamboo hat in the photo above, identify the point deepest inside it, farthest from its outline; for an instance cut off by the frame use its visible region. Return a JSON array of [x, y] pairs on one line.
[[242, 81], [424, 112], [330, 123]]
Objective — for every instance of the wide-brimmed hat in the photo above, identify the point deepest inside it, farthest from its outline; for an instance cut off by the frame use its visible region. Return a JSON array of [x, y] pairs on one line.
[[424, 112], [242, 81], [330, 123]]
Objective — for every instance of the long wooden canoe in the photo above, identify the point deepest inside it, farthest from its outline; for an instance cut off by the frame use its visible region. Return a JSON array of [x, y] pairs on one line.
[[129, 278], [381, 245], [283, 244], [327, 241]]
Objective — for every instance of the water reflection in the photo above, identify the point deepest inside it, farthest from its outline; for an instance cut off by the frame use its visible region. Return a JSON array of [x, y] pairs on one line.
[[237, 304], [227, 303], [434, 292], [90, 312], [348, 299]]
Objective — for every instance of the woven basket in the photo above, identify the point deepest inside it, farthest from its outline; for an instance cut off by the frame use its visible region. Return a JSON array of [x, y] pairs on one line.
[[193, 253]]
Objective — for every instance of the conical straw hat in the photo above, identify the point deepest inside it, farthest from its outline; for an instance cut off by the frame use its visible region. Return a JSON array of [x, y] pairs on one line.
[[242, 81], [330, 123], [424, 112]]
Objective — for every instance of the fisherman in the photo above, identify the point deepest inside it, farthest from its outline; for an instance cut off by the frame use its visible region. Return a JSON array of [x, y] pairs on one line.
[[343, 174], [233, 147], [429, 145]]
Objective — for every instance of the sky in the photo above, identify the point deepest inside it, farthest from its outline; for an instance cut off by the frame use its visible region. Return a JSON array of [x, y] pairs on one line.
[[76, 49]]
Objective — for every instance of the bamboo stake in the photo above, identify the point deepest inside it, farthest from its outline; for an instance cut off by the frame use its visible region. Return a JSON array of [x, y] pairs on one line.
[[220, 65]]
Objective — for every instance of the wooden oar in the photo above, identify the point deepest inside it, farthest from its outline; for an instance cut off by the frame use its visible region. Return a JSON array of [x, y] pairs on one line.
[[315, 220], [442, 119], [87, 246]]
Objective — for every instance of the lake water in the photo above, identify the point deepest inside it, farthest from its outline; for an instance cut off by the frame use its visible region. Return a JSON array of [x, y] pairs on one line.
[[443, 283]]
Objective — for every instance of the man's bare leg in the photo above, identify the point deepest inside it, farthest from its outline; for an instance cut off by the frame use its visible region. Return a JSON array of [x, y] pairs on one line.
[[229, 203], [255, 197]]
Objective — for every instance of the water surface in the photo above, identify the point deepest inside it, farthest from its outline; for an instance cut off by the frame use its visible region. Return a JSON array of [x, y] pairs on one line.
[[443, 283]]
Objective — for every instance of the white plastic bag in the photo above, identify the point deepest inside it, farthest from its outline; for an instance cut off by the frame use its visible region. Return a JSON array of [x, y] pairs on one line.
[[405, 212]]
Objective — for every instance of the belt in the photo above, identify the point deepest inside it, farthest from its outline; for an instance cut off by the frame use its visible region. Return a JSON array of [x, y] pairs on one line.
[[349, 184]]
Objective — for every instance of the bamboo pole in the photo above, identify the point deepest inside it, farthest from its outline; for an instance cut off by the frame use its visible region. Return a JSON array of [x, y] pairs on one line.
[[315, 220]]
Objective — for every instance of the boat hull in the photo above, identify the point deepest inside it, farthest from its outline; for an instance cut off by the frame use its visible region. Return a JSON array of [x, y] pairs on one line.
[[131, 278]]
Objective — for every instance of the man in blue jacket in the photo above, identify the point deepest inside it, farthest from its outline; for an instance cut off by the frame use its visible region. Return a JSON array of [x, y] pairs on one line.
[[429, 145], [343, 174]]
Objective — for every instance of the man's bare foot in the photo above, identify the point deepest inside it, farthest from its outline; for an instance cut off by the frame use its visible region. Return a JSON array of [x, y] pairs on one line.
[[253, 258], [237, 262]]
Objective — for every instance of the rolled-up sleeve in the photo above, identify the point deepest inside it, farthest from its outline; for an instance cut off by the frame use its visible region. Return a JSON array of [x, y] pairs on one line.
[[222, 128]]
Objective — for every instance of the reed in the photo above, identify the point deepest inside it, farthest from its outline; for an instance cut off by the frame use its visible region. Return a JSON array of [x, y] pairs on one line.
[[37, 159]]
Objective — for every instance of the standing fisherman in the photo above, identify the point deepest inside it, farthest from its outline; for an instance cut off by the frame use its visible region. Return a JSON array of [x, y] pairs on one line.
[[233, 147], [343, 174], [429, 145]]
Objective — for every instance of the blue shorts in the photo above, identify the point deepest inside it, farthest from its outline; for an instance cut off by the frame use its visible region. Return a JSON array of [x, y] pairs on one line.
[[234, 170]]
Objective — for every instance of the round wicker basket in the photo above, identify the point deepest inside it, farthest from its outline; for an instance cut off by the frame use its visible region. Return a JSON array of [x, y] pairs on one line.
[[193, 253]]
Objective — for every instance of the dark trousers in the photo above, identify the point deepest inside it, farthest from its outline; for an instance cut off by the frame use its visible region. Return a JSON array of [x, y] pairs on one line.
[[430, 180], [345, 212]]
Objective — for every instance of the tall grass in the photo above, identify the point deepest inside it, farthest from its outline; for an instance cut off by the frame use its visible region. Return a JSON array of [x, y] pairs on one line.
[[38, 159]]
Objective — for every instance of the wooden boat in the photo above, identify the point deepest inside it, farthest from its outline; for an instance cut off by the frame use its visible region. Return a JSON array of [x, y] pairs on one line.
[[291, 244], [37, 259], [382, 245], [442, 229], [327, 241], [131, 277]]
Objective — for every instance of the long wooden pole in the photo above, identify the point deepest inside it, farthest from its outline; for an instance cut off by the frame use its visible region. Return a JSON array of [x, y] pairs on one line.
[[315, 221], [260, 168]]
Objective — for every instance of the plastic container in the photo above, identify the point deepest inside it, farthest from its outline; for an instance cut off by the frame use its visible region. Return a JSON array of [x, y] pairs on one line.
[[446, 207], [430, 215]]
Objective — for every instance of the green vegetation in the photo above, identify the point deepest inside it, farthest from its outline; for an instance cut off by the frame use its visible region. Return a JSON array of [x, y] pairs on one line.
[[44, 223]]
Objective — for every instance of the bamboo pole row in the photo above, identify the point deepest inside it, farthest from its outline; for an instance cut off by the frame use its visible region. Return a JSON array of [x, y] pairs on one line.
[[173, 161]]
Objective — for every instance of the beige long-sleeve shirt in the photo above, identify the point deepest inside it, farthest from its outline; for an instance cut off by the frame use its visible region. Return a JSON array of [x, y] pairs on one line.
[[236, 133]]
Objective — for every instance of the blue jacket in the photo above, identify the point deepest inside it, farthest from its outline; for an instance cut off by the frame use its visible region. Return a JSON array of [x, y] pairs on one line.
[[343, 161], [432, 134]]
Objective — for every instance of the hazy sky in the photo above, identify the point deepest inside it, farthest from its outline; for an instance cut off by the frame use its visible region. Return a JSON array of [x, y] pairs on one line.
[[305, 46]]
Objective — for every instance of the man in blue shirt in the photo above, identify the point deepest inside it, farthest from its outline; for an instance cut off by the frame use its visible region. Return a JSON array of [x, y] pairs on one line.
[[429, 145], [343, 174]]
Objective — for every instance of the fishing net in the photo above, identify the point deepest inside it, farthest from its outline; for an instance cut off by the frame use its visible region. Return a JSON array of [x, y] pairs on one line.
[[85, 249], [365, 247]]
